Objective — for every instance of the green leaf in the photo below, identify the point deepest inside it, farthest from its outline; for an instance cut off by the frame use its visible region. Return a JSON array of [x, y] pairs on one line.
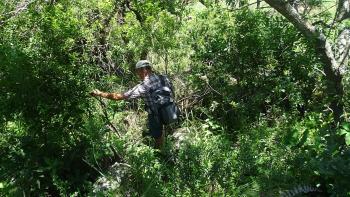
[[347, 139], [343, 132]]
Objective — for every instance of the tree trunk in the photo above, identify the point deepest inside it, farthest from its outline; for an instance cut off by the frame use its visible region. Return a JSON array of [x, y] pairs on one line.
[[343, 10], [100, 50]]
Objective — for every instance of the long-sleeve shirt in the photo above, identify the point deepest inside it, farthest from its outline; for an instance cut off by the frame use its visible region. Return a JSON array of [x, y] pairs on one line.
[[144, 89]]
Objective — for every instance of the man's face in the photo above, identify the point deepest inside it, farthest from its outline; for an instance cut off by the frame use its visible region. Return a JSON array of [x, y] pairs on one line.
[[141, 73]]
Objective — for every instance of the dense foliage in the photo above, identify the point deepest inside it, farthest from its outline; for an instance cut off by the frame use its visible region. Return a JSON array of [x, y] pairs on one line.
[[257, 118]]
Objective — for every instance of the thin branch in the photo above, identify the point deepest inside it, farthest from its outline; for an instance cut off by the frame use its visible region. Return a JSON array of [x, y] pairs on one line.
[[188, 97], [105, 114], [321, 71], [21, 7], [323, 11], [323, 23], [217, 92], [245, 6], [92, 166], [116, 155]]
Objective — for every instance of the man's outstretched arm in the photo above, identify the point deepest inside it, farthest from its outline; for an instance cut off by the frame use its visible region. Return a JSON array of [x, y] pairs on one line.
[[112, 96]]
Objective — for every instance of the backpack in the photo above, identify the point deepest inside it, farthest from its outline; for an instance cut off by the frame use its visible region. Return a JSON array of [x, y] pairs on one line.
[[165, 105]]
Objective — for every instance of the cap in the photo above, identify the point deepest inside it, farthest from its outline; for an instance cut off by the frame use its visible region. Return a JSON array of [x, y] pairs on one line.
[[143, 63]]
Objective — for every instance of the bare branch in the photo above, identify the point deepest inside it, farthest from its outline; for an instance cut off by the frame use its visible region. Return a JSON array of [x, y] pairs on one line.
[[193, 99], [21, 7], [323, 11], [321, 22]]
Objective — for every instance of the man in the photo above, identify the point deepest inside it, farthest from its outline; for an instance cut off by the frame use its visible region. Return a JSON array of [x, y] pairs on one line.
[[150, 82]]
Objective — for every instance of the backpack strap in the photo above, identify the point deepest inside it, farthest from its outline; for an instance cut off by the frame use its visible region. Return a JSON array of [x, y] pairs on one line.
[[162, 80]]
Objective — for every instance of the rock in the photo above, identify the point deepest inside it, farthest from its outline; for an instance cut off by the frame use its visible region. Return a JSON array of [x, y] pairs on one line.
[[112, 180]]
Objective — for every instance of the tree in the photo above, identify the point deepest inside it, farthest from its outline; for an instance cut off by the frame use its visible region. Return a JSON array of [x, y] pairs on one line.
[[333, 66]]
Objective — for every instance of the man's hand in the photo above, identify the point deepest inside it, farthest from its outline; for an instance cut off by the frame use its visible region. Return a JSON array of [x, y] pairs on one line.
[[113, 96], [96, 92]]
